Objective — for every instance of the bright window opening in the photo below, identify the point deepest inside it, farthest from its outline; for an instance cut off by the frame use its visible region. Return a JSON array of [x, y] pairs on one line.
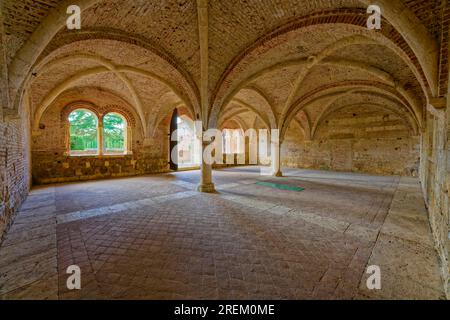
[[233, 141], [189, 147], [114, 134], [83, 133]]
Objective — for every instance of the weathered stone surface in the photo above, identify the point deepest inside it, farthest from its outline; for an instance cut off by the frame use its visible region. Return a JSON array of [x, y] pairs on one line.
[[246, 242], [356, 139]]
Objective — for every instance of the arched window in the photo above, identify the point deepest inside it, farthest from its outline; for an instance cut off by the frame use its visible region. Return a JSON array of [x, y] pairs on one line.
[[83, 132], [114, 134], [188, 145], [233, 141]]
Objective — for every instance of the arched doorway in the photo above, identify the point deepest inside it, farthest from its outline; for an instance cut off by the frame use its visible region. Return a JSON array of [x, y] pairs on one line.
[[185, 148]]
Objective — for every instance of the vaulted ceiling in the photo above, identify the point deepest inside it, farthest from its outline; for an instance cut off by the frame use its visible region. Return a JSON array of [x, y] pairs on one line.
[[268, 62]]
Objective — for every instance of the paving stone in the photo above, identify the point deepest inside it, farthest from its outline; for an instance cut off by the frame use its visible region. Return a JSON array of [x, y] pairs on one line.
[[244, 242]]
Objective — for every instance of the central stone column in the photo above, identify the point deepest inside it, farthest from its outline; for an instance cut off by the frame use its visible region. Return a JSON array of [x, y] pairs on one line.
[[206, 184], [275, 155]]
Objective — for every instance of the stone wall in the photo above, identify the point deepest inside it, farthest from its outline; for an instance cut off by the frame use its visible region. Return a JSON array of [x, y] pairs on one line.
[[436, 183], [371, 141], [55, 169], [375, 156]]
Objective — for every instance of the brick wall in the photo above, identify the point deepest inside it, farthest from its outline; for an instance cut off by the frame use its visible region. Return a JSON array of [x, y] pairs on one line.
[[14, 169], [14, 156], [51, 164]]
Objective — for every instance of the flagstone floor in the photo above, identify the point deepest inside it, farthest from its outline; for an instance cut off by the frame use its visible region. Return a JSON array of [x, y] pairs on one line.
[[155, 237]]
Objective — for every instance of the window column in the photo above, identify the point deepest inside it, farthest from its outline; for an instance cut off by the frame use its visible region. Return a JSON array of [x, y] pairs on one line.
[[66, 128], [100, 136], [128, 141]]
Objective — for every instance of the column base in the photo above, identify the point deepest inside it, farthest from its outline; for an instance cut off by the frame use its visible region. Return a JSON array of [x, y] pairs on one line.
[[278, 174], [206, 188]]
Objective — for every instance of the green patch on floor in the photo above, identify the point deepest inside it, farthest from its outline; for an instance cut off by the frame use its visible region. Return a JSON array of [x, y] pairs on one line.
[[280, 186]]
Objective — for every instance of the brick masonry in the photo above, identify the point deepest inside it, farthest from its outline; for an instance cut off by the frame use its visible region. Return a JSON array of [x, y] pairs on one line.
[[51, 162], [245, 38], [14, 170]]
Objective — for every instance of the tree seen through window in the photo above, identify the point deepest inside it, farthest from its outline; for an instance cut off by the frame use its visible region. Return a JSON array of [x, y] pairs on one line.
[[114, 127], [83, 132]]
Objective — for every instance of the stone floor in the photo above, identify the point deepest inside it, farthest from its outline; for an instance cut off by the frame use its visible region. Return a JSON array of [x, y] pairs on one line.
[[155, 237]]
